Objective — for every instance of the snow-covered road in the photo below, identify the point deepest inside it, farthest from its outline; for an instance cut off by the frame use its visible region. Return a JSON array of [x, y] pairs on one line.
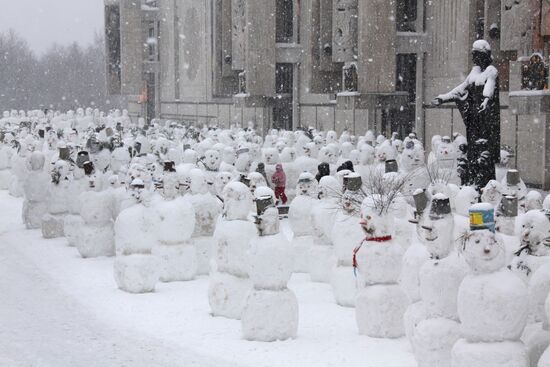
[[57, 309]]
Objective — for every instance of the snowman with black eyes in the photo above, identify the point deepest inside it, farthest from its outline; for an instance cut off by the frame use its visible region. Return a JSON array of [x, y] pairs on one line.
[[491, 302]]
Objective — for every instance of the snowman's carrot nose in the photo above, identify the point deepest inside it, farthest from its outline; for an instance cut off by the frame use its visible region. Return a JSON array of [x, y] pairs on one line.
[[363, 222]]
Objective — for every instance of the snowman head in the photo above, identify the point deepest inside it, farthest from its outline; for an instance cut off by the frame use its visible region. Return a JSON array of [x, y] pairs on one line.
[[212, 160], [534, 230], [324, 155], [533, 200], [288, 155], [492, 192], [222, 179], [236, 201], [374, 223], [332, 137], [445, 149], [271, 156], [366, 154], [306, 185], [256, 180], [385, 152], [436, 229], [329, 187], [483, 251]]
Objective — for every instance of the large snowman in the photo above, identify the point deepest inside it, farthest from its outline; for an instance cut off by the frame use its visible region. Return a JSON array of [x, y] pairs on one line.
[[136, 268], [346, 235], [440, 278], [207, 209], [380, 302], [492, 301], [175, 225], [299, 215], [271, 309], [36, 198], [229, 282]]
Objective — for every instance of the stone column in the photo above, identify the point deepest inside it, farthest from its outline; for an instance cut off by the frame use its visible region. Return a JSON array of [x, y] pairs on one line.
[[132, 49]]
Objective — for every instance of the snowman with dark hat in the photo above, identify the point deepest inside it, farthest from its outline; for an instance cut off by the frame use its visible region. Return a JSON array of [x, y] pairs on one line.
[[440, 277], [346, 235], [271, 309]]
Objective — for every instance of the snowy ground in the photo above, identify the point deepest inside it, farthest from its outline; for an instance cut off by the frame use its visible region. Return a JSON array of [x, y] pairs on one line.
[[57, 310]]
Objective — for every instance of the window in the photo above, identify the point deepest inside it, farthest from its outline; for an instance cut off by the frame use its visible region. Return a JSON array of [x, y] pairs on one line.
[[406, 15], [284, 21]]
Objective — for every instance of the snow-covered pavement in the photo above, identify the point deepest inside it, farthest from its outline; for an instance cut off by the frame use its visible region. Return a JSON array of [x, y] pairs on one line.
[[57, 309]]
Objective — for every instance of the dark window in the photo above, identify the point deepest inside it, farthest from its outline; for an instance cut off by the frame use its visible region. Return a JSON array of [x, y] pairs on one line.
[[284, 21], [283, 79], [406, 15]]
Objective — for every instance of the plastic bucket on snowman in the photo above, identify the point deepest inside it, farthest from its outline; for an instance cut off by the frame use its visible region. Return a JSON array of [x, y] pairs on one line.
[[482, 216]]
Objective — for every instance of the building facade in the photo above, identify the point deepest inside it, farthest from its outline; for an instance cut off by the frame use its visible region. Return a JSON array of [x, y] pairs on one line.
[[331, 64]]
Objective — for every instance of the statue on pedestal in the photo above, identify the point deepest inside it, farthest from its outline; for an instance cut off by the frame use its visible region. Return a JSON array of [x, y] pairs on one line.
[[477, 99]]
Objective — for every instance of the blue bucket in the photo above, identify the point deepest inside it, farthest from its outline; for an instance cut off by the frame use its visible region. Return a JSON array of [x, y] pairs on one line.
[[482, 216]]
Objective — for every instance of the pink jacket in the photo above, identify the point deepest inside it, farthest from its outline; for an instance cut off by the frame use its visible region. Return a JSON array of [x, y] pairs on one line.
[[279, 177]]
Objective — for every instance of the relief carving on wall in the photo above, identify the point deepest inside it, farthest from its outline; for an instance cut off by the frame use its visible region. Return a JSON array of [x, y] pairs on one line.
[[191, 44], [344, 35], [238, 17]]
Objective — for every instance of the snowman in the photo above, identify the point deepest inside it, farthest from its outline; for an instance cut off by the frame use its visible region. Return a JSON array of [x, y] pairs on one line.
[[512, 184], [346, 235], [6, 153], [465, 198], [136, 268], [35, 203], [534, 251], [492, 193], [207, 209], [323, 214], [299, 215], [174, 227], [53, 220], [271, 309], [440, 278], [229, 282], [380, 302], [492, 301], [211, 163], [96, 231]]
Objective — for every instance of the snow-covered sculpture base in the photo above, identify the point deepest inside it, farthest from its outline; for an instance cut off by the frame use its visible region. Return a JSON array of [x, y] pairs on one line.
[[379, 311], [506, 353], [137, 273], [177, 262], [227, 294], [96, 240], [270, 315], [53, 225]]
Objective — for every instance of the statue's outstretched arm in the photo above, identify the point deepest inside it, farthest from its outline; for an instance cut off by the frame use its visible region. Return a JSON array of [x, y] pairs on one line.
[[457, 93]]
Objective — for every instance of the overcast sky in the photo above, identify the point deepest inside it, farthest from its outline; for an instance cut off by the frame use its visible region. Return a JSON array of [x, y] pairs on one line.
[[43, 22]]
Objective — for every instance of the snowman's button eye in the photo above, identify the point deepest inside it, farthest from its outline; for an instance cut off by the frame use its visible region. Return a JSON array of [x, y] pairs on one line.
[[477, 241]]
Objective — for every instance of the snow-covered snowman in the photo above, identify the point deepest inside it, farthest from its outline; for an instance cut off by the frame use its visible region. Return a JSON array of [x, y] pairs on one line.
[[96, 235], [207, 209], [346, 235], [174, 227], [299, 215], [380, 303], [229, 282], [136, 268], [440, 278], [492, 301], [271, 309], [36, 198], [53, 220]]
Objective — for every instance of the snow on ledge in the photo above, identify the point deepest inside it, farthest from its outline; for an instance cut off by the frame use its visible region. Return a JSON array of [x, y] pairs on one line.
[[348, 94], [528, 93]]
